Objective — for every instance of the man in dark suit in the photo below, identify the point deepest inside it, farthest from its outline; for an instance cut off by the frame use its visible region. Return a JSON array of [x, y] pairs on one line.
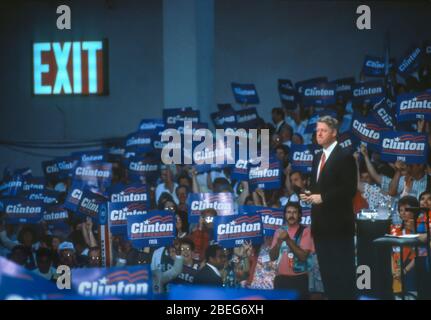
[[278, 119], [333, 186], [210, 273]]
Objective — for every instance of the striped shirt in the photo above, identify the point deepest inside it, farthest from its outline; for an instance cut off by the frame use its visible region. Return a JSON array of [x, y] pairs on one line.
[[418, 186]]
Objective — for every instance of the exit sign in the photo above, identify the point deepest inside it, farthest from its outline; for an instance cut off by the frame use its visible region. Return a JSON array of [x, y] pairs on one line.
[[70, 67]]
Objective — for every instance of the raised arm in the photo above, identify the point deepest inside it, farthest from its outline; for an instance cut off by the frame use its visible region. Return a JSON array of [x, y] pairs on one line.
[[245, 193], [87, 232], [393, 186], [195, 184], [360, 184], [371, 170]]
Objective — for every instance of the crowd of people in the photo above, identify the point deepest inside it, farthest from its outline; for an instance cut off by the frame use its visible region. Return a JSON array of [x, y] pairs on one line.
[[286, 260]]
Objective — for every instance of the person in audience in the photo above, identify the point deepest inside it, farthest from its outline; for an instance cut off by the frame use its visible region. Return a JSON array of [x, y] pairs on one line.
[[44, 266], [210, 274], [167, 185], [203, 234], [291, 247], [407, 227]]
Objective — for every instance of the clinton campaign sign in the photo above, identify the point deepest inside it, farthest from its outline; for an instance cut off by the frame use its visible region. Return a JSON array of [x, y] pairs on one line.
[[74, 196], [156, 228], [222, 202], [345, 140], [59, 168], [124, 201], [90, 205], [318, 94], [240, 170], [245, 93], [272, 218], [46, 196], [247, 118], [12, 187], [105, 283], [410, 62], [368, 92], [135, 192], [91, 156], [18, 283], [143, 168], [33, 184], [367, 131], [343, 87], [405, 146], [383, 114], [301, 157], [118, 213], [175, 117], [300, 84], [265, 178], [95, 174], [233, 231], [152, 124], [141, 141], [22, 211], [56, 218], [287, 93], [413, 106], [224, 119], [55, 213], [373, 66]]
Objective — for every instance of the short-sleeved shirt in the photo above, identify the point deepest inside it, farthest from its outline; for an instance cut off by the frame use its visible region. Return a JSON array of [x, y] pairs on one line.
[[162, 188], [306, 243], [418, 186]]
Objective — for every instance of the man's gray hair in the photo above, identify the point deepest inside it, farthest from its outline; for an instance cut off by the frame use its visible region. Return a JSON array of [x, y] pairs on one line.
[[329, 121]]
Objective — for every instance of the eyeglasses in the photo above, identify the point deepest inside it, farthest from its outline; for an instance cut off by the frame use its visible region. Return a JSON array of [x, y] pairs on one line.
[[95, 258], [186, 249]]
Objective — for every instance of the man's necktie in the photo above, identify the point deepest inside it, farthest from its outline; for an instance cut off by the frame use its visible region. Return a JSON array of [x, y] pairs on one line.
[[322, 163]]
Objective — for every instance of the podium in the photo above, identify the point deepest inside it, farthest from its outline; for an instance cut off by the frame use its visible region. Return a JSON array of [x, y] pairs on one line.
[[368, 230], [390, 241]]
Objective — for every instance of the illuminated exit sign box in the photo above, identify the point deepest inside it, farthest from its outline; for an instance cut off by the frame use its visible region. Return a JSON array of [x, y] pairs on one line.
[[70, 68]]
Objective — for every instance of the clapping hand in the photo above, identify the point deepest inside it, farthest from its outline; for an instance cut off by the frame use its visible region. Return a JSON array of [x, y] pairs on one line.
[[283, 235]]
